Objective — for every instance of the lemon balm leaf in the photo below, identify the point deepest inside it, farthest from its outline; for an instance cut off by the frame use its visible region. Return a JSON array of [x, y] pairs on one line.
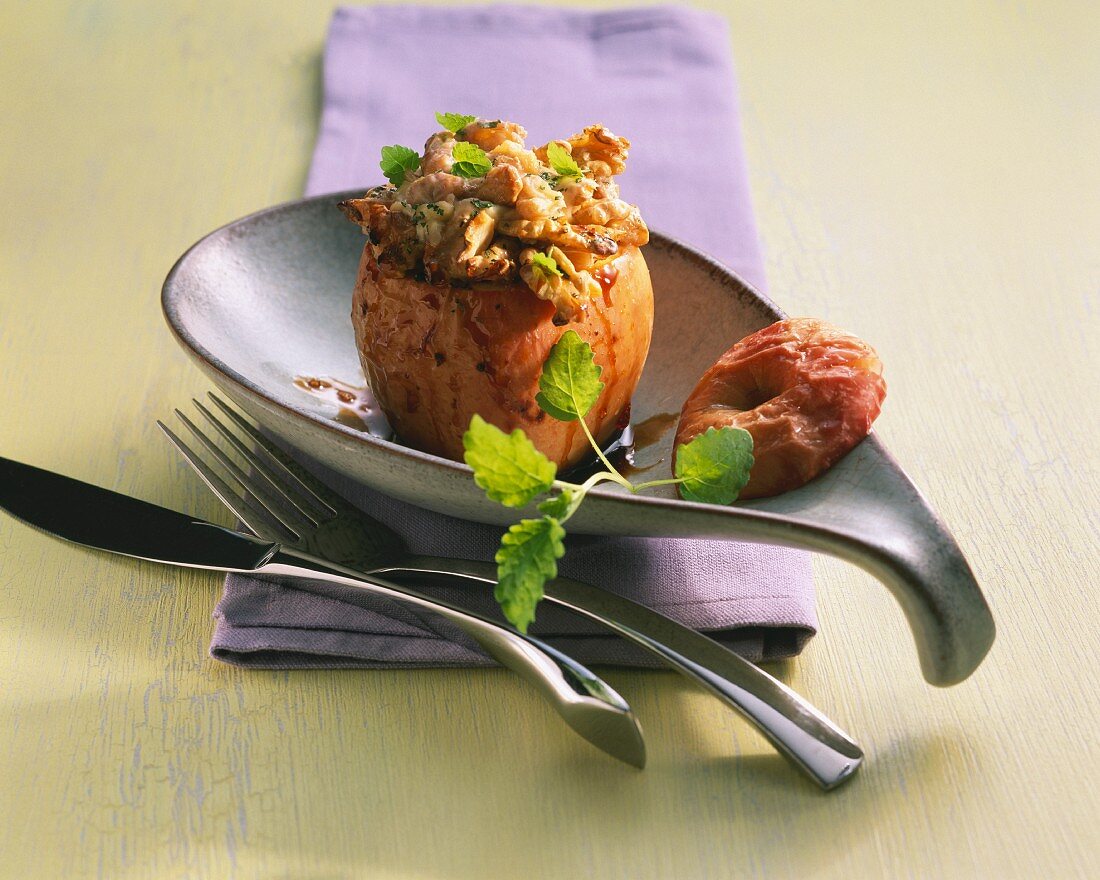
[[558, 506], [545, 265], [714, 466], [507, 466], [527, 559], [562, 161], [469, 160], [397, 161], [454, 121], [570, 382]]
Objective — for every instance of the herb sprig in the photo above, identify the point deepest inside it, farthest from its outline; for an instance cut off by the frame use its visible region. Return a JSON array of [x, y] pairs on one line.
[[469, 160], [397, 161], [545, 265], [562, 161], [712, 468], [454, 122]]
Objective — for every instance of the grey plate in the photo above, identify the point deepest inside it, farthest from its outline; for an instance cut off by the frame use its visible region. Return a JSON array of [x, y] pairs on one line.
[[267, 299]]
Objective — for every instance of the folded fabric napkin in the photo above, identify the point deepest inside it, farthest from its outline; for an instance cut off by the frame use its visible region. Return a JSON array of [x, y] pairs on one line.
[[662, 77]]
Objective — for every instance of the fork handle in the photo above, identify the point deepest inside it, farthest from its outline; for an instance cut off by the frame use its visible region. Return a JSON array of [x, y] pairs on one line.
[[798, 731], [584, 701]]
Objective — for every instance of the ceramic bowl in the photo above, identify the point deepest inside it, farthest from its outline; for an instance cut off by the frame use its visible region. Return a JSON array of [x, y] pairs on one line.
[[262, 305]]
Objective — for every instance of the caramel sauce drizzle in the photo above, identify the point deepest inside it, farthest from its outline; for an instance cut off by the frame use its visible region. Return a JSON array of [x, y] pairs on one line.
[[636, 449], [356, 406]]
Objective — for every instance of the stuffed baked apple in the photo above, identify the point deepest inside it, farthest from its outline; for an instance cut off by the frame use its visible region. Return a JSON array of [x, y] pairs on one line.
[[481, 254]]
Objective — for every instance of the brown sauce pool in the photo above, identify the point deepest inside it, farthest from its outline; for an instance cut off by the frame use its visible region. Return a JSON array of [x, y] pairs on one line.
[[643, 453], [356, 406], [636, 450]]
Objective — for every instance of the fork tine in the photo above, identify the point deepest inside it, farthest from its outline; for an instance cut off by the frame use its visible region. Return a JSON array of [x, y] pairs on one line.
[[246, 510], [312, 490], [262, 496], [261, 468]]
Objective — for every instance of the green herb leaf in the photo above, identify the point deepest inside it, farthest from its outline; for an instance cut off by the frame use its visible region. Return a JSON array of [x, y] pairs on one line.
[[507, 466], [470, 160], [570, 381], [545, 265], [454, 121], [562, 162], [397, 161], [527, 559], [558, 506], [714, 466]]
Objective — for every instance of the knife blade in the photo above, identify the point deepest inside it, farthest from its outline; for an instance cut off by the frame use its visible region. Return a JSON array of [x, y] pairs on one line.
[[63, 507]]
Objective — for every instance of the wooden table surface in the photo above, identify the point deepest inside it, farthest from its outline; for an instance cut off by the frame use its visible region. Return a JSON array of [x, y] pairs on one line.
[[926, 174]]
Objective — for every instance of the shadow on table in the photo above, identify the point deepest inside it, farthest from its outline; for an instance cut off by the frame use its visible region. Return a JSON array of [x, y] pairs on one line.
[[496, 788]]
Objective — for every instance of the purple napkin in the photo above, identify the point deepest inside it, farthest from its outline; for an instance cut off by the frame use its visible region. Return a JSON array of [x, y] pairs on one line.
[[662, 77]]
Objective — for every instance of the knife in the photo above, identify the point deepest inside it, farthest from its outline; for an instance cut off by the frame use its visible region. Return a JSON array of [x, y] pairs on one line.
[[104, 520]]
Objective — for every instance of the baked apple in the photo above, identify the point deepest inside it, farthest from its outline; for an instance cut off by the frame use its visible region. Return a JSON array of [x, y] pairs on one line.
[[480, 255], [805, 390]]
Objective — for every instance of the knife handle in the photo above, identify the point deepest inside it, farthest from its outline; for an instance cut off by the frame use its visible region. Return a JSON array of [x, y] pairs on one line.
[[797, 730], [584, 701]]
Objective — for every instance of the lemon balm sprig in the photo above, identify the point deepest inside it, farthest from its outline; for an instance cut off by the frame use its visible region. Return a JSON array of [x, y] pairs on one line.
[[563, 163], [454, 122], [570, 386], [397, 161], [712, 468]]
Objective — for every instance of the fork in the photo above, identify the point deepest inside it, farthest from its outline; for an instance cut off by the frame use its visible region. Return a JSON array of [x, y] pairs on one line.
[[284, 502], [584, 701]]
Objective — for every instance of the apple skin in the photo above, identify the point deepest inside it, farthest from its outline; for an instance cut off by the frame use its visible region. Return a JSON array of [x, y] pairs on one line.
[[435, 355]]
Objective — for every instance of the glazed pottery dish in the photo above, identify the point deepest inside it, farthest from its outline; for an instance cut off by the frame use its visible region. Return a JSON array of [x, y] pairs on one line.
[[262, 305]]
